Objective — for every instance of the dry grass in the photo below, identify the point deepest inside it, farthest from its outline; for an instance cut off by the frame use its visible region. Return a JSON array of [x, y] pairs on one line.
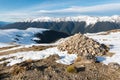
[[110, 54], [3, 59], [33, 48], [78, 59], [104, 39], [29, 61], [110, 31], [48, 69], [4, 48], [15, 70]]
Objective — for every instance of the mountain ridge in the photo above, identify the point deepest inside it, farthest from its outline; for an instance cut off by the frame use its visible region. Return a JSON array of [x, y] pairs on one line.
[[88, 19], [70, 25]]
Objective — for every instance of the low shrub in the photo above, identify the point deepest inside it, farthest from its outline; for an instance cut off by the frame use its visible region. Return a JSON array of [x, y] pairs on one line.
[[71, 69]]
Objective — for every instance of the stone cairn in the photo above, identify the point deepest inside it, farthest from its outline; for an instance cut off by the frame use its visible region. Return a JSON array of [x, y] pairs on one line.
[[82, 45]]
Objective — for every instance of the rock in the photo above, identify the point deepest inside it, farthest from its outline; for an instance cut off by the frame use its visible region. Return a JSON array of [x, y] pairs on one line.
[[90, 57], [80, 68], [86, 48], [83, 45], [54, 57], [85, 60], [114, 66], [78, 59]]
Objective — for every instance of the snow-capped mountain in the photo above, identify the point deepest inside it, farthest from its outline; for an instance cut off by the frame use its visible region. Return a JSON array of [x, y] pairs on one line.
[[70, 25], [88, 19]]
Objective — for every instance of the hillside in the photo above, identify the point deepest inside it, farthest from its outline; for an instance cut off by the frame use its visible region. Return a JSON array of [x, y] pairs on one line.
[[48, 62]]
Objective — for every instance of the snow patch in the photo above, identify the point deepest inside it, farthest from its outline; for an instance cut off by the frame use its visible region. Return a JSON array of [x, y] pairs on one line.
[[112, 39], [37, 55], [35, 38]]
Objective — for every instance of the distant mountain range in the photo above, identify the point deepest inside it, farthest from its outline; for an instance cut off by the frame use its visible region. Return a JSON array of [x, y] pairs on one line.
[[70, 25]]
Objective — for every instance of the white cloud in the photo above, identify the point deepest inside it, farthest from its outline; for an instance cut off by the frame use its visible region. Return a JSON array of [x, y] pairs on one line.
[[38, 10], [86, 9]]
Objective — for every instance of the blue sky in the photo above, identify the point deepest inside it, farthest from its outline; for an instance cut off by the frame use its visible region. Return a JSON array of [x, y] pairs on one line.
[[17, 10]]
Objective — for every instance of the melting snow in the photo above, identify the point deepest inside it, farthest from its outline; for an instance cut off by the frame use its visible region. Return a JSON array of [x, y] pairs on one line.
[[36, 55]]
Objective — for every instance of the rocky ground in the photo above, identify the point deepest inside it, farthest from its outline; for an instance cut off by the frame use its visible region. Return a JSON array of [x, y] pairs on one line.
[[48, 69], [86, 48], [85, 67]]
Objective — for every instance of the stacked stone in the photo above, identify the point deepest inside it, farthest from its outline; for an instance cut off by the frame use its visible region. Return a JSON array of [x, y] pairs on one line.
[[82, 45]]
